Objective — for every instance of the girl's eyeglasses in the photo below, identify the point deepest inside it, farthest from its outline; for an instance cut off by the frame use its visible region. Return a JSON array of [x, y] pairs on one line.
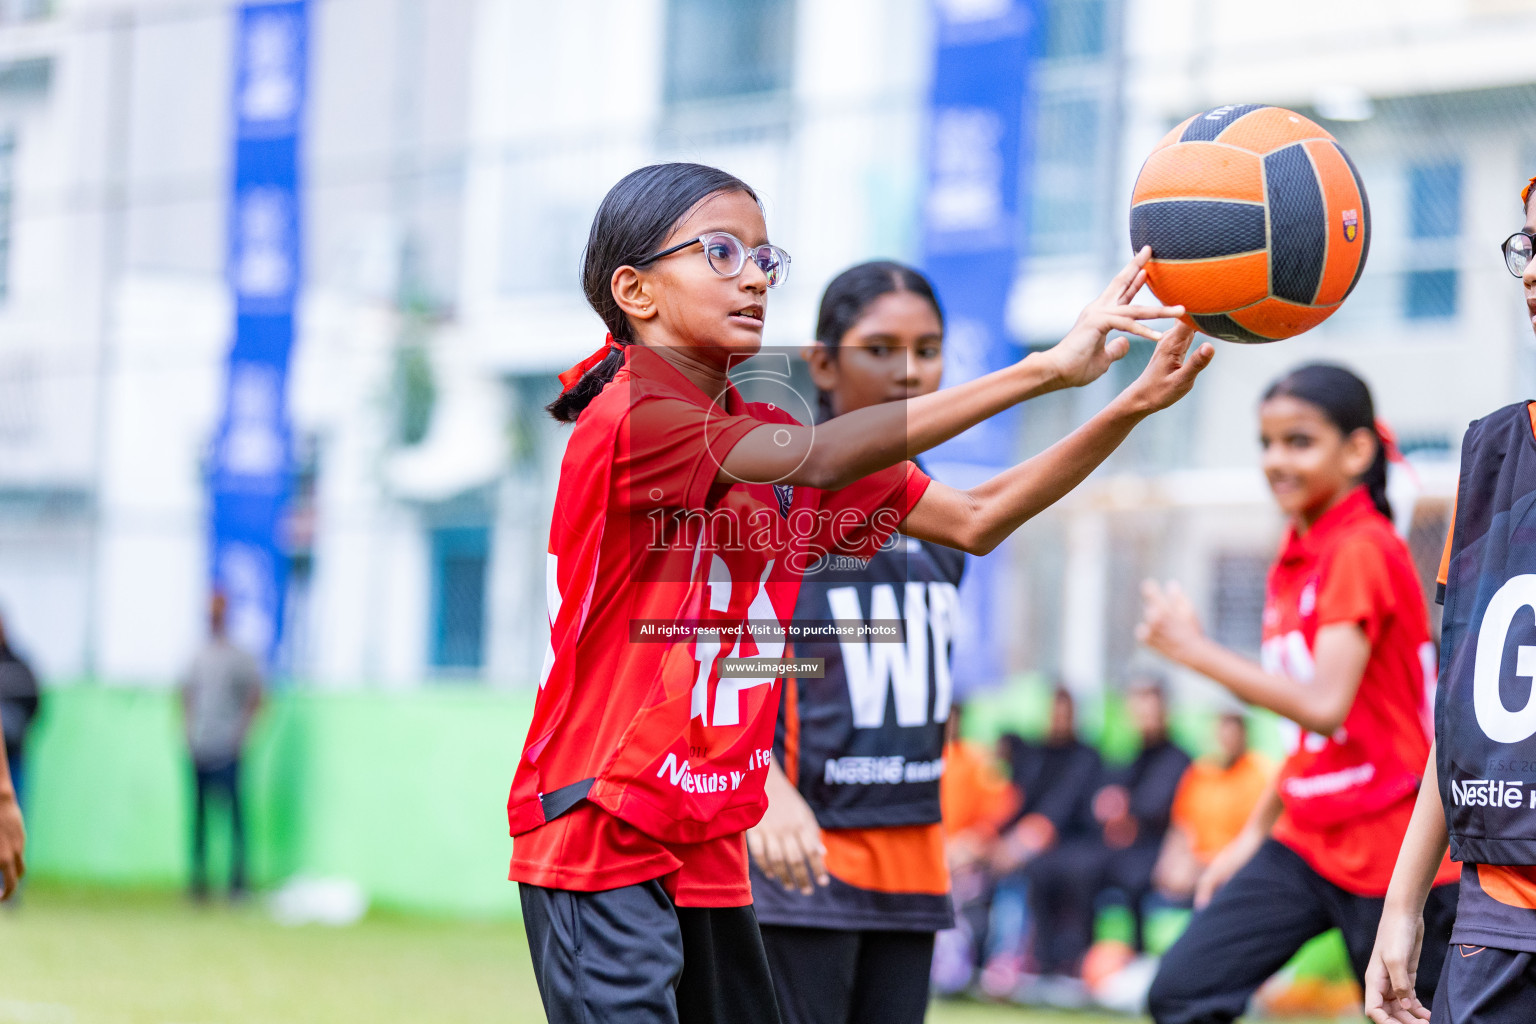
[[727, 255], [1517, 251]]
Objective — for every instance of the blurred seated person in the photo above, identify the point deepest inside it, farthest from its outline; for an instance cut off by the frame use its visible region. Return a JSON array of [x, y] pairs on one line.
[[975, 797], [1056, 780], [1130, 812], [1213, 802]]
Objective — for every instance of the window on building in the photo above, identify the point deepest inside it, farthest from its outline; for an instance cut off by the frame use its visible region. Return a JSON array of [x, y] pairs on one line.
[[1237, 599], [295, 650], [24, 10], [296, 642], [1431, 294], [1431, 283], [1065, 176], [1434, 192], [718, 50], [28, 77], [460, 557], [1075, 28], [7, 181], [1433, 444]]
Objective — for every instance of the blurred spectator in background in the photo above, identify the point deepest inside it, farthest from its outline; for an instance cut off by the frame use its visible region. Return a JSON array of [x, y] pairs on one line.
[[1135, 808], [220, 696], [1056, 780], [1213, 802], [975, 798], [1129, 816], [18, 707]]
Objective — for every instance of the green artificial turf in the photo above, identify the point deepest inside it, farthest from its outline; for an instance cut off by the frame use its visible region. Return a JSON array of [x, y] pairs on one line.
[[98, 956]]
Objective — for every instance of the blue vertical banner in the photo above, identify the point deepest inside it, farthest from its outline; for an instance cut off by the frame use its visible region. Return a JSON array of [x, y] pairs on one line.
[[980, 129], [251, 458]]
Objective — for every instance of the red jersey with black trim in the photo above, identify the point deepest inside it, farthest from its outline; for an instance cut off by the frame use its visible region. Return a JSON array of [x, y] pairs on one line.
[[657, 573], [1348, 796]]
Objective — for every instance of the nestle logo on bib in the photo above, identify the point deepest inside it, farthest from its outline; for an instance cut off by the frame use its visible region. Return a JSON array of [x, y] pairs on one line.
[[1489, 793]]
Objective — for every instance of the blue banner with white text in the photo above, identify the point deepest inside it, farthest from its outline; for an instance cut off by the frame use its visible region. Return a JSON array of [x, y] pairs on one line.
[[251, 458], [979, 138]]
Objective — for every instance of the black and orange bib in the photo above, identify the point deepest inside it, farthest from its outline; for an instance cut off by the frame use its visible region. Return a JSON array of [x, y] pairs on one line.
[[1485, 711], [865, 741]]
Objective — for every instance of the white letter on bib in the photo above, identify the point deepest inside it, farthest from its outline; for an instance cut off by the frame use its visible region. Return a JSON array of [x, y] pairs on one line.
[[1499, 723]]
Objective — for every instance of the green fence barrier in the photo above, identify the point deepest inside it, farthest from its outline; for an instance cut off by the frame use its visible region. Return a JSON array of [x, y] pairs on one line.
[[404, 794]]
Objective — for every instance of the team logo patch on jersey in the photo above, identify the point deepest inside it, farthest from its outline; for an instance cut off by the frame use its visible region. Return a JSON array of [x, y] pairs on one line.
[[785, 493], [1351, 225]]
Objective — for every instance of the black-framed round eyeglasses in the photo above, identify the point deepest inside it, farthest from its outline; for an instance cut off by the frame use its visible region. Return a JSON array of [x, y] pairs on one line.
[[727, 255], [1517, 251]]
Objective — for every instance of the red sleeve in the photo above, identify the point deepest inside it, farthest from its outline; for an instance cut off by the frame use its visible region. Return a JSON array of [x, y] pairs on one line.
[[1356, 587], [867, 511], [669, 452]]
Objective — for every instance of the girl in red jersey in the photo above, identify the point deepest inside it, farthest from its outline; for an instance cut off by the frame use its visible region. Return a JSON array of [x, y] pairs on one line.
[[857, 945], [1347, 658], [684, 519]]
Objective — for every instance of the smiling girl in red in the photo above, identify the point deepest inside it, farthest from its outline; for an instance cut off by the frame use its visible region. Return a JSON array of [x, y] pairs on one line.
[[684, 514], [1347, 658]]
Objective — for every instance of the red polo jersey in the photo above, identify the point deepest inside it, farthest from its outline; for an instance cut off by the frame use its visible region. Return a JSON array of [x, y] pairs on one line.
[[1348, 797], [657, 572]]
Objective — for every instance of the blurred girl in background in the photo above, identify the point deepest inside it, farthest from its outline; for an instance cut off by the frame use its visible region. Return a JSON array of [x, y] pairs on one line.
[[1347, 657]]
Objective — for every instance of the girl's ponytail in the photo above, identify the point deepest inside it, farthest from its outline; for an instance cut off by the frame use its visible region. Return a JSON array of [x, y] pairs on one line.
[[591, 376], [1346, 400], [633, 219], [1375, 478]]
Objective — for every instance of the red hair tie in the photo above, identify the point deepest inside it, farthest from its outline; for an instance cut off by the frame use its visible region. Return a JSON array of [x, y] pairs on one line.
[[1395, 454], [1389, 443], [569, 378], [1525, 193]]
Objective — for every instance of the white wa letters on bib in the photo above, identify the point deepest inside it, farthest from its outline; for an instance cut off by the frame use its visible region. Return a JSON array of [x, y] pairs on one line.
[[874, 670]]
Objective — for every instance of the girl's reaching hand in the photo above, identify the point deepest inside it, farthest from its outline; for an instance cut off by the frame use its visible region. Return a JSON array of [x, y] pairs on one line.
[[1168, 621], [1082, 356], [1172, 370], [1389, 993]]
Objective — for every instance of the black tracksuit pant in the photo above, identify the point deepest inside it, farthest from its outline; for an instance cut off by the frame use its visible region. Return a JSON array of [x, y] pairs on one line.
[[1258, 921], [632, 956]]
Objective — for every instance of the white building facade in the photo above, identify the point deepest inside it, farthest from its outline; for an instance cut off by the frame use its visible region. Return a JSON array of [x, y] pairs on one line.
[[455, 153]]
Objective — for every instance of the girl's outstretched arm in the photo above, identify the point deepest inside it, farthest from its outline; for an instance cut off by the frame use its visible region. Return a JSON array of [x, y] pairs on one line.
[[842, 450], [1389, 980], [1170, 627], [978, 519]]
